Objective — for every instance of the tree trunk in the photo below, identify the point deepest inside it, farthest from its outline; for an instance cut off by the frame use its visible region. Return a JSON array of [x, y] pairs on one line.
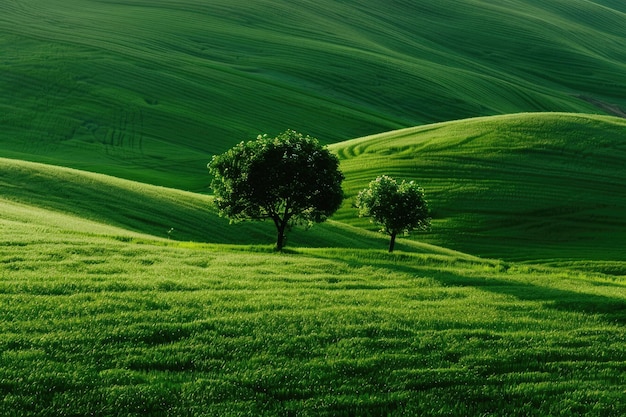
[[280, 239], [392, 242]]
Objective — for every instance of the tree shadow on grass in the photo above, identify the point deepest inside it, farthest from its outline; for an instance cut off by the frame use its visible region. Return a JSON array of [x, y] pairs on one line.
[[611, 309], [449, 273]]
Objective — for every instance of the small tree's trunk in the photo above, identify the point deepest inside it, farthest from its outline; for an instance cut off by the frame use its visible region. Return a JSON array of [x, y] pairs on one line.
[[392, 242], [280, 239]]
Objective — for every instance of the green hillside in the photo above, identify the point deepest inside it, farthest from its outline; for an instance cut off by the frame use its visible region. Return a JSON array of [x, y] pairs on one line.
[[527, 186], [534, 186], [56, 199], [148, 90], [99, 320], [123, 293]]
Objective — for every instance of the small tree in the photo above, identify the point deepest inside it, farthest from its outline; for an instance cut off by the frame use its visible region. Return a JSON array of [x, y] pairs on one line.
[[398, 208], [289, 179]]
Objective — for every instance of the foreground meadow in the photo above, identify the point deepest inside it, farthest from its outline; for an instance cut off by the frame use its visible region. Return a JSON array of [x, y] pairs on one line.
[[115, 323]]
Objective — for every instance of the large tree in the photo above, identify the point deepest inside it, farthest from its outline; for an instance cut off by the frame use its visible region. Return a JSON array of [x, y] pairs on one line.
[[289, 179], [397, 207]]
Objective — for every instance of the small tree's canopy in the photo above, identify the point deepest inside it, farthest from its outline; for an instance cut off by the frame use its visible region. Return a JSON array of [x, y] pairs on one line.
[[289, 179], [397, 207]]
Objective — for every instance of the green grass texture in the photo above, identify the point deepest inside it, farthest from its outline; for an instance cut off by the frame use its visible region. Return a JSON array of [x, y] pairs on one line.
[[98, 320], [518, 187], [120, 298], [523, 187], [36, 194], [149, 90]]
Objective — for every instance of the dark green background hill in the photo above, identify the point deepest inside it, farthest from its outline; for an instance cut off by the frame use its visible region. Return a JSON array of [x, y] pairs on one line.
[[149, 90]]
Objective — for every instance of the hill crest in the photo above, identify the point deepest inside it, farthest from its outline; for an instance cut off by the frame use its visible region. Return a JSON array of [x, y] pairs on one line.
[[523, 186], [150, 90], [532, 186]]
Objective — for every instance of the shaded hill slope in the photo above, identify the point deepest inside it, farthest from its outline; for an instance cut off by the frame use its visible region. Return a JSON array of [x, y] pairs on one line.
[[525, 186], [148, 90]]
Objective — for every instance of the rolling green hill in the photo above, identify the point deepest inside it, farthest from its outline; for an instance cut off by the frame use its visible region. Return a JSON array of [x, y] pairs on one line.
[[526, 186], [56, 199], [97, 319], [148, 90], [122, 292]]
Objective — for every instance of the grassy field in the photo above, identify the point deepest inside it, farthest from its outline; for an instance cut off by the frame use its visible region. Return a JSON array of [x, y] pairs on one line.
[[527, 187], [148, 90], [149, 210], [105, 313], [119, 298], [518, 187], [98, 320]]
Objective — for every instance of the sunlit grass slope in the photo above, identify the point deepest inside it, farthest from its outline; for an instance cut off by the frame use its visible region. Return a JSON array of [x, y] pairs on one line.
[[149, 90], [525, 186], [100, 321], [46, 196]]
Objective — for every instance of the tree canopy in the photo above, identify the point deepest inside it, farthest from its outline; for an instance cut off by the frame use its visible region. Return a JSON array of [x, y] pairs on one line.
[[397, 207], [290, 179]]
